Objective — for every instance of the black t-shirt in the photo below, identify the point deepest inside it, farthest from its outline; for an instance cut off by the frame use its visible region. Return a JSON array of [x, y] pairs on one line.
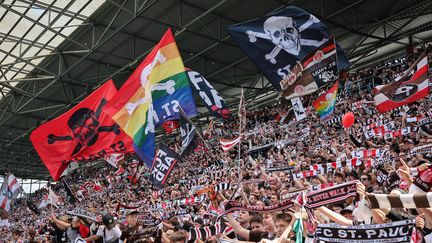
[[256, 236]]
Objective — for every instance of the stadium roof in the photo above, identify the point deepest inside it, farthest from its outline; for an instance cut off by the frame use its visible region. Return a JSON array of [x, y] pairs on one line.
[[54, 52]]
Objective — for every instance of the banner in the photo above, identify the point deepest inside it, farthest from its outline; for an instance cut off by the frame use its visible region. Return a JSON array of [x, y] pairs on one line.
[[331, 195], [299, 111], [317, 69], [9, 191], [325, 104], [82, 133], [163, 164], [151, 96], [410, 87], [188, 135], [214, 102], [399, 231], [232, 206], [276, 42]]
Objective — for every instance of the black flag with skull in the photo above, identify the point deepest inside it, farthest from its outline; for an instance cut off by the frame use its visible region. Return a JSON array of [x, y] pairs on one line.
[[188, 134], [277, 41]]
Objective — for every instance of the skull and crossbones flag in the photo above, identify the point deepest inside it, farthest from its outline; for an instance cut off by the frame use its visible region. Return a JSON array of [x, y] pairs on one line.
[[83, 133], [276, 42], [9, 191], [188, 133], [163, 163], [406, 89]]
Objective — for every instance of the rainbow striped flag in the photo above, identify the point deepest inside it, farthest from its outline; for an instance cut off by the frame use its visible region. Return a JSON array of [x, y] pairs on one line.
[[152, 95], [325, 104]]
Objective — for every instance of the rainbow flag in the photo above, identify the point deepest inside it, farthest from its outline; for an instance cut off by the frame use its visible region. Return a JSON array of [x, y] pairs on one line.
[[325, 104], [151, 96]]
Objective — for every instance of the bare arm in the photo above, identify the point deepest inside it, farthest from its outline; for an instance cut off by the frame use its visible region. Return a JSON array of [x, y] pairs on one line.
[[339, 219], [238, 229]]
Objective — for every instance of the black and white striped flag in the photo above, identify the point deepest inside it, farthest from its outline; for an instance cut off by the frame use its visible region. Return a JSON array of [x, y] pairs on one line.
[[415, 200]]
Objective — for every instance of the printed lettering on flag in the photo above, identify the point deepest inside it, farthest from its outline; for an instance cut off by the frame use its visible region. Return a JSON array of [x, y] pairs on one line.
[[317, 69], [209, 95], [152, 95], [163, 164], [299, 111]]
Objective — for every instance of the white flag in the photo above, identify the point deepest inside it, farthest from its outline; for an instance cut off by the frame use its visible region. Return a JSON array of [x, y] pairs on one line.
[[298, 108]]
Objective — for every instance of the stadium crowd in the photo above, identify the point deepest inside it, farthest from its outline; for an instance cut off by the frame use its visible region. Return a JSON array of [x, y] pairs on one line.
[[120, 204]]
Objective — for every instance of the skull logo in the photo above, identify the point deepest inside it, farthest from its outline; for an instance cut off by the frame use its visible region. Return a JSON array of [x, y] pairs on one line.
[[283, 33]]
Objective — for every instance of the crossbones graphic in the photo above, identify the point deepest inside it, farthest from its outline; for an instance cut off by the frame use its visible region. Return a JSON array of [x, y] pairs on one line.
[[85, 127], [284, 34]]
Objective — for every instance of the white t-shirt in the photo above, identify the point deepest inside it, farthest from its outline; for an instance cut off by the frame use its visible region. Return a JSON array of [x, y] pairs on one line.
[[109, 235]]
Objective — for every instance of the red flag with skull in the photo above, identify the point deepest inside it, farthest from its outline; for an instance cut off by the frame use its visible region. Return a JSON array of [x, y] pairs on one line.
[[83, 133]]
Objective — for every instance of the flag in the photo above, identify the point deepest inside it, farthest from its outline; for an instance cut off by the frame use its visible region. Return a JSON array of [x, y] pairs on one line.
[[170, 126], [152, 95], [188, 135], [209, 130], [406, 89], [53, 199], [69, 195], [228, 144], [214, 102], [114, 159], [9, 191], [163, 164], [317, 69], [242, 112], [299, 111], [276, 42], [70, 168], [325, 104], [280, 117], [82, 133]]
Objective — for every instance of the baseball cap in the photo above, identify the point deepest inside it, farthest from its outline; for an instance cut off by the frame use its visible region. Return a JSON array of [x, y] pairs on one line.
[[107, 219]]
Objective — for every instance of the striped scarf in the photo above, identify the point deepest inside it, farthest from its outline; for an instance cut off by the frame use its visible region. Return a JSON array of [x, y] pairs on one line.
[[415, 200], [331, 195], [207, 231]]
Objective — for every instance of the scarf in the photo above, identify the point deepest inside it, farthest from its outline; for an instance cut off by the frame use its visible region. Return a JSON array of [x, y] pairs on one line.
[[232, 206], [399, 231], [415, 200], [331, 195]]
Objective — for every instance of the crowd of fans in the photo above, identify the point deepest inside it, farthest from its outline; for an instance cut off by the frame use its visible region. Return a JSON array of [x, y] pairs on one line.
[[120, 204]]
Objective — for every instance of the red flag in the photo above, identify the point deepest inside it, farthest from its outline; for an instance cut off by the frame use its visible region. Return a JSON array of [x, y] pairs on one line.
[[406, 89], [170, 126], [82, 133]]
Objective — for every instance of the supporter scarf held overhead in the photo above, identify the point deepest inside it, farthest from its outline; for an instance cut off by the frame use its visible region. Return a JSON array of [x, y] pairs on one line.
[[325, 104], [399, 231], [82, 133], [152, 95], [410, 87], [276, 42], [163, 164]]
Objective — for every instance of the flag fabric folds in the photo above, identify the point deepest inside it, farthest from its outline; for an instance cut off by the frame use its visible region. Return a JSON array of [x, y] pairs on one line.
[[163, 163], [170, 126], [317, 69], [214, 102], [9, 191], [325, 104], [188, 135], [406, 89], [276, 42], [114, 159], [69, 195], [299, 110], [82, 133], [152, 95], [228, 144]]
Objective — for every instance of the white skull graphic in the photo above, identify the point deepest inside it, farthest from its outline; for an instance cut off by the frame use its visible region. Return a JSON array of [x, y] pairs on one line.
[[283, 33]]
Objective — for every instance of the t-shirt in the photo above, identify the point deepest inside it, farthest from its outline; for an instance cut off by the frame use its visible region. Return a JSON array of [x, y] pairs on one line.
[[256, 236], [109, 236], [72, 234]]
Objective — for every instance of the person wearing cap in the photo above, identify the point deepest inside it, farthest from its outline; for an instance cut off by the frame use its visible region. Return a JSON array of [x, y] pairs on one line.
[[132, 226], [109, 232]]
